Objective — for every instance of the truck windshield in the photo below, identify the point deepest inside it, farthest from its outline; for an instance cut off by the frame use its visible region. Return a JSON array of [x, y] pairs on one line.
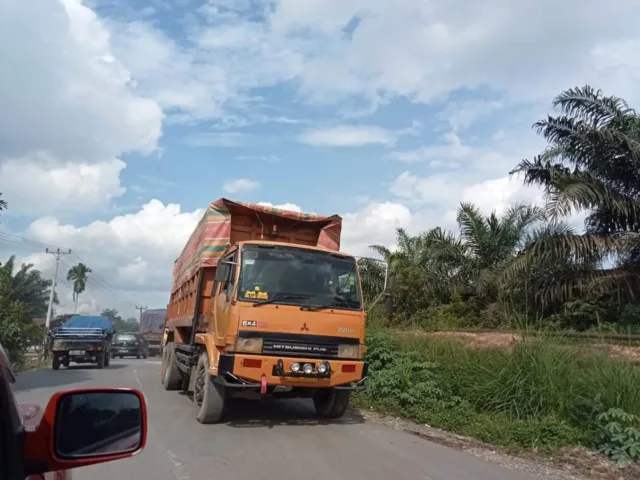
[[294, 276]]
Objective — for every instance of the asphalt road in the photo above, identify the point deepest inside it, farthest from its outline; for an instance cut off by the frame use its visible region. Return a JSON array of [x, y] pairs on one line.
[[281, 440]]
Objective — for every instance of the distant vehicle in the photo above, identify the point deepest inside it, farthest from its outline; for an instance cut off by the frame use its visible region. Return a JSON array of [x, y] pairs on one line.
[[72, 431], [263, 303], [129, 344], [82, 339], [151, 325]]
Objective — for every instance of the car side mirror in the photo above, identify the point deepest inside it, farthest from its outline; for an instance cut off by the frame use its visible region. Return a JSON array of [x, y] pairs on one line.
[[85, 427]]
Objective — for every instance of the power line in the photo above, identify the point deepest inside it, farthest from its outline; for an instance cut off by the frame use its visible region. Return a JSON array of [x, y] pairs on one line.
[[10, 238], [99, 279], [96, 280]]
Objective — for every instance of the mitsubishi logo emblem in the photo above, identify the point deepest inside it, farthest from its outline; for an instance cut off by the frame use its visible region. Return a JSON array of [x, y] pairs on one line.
[[304, 327]]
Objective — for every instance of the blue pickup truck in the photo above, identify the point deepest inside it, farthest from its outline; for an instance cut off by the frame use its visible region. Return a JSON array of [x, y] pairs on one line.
[[82, 339]]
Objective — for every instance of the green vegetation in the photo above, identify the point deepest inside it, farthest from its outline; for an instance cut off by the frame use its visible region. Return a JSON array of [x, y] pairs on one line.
[[536, 395], [120, 324], [525, 269], [24, 294]]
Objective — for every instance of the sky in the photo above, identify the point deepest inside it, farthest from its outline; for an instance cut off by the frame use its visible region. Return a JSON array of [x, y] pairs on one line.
[[120, 121]]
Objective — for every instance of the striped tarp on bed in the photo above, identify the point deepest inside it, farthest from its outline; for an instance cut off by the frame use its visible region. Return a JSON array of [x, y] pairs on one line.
[[212, 235]]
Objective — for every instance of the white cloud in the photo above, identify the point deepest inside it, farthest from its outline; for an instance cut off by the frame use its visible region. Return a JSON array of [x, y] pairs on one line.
[[240, 185], [62, 91], [451, 149], [284, 206], [132, 253], [376, 223], [69, 108], [68, 186], [216, 139], [259, 158], [348, 136], [426, 51]]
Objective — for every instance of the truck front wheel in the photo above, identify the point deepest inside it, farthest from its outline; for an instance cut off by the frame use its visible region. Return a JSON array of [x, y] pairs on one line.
[[332, 403], [172, 377], [208, 396]]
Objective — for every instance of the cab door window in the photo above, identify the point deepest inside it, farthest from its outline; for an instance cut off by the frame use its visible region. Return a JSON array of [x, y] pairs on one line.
[[227, 285]]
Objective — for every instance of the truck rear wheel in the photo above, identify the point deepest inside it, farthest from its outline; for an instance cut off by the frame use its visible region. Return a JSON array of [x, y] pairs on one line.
[[332, 404], [55, 363], [172, 378], [100, 360], [107, 359], [208, 396]]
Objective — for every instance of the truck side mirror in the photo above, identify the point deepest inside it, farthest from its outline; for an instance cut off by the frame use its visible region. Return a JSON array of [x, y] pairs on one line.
[[85, 427], [222, 272]]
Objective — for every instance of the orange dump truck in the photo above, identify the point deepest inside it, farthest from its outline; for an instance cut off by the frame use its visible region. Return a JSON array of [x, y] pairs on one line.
[[263, 303]]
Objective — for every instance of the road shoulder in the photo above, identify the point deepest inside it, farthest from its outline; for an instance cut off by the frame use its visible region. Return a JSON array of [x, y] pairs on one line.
[[569, 464]]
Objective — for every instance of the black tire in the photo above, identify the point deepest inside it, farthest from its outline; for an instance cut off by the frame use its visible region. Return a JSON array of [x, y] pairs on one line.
[[55, 363], [121, 357], [172, 376], [66, 362], [138, 355], [164, 365], [332, 404], [107, 360], [100, 361], [208, 396]]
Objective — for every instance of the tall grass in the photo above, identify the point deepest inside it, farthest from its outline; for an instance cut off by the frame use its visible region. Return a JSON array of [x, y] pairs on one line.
[[535, 393]]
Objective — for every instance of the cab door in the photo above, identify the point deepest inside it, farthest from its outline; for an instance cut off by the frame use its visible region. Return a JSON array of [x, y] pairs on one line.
[[223, 291]]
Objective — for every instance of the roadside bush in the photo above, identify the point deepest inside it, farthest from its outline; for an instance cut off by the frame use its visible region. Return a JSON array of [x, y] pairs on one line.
[[536, 395], [14, 334], [619, 436]]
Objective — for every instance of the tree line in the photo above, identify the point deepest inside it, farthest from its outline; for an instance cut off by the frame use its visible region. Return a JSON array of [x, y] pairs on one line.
[[529, 265]]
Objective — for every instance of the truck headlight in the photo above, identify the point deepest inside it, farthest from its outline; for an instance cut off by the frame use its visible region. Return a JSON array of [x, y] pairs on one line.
[[349, 351], [249, 345]]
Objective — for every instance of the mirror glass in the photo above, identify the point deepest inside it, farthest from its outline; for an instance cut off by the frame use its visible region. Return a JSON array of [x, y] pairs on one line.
[[97, 424], [222, 271]]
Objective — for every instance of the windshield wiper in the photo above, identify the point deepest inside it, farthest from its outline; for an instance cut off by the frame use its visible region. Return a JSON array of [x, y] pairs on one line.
[[277, 297], [337, 300]]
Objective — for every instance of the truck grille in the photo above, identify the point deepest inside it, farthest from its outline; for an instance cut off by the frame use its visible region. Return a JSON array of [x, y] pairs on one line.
[[296, 345], [298, 348]]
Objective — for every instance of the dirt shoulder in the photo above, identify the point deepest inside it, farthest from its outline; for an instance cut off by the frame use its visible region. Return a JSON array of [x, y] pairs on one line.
[[568, 464]]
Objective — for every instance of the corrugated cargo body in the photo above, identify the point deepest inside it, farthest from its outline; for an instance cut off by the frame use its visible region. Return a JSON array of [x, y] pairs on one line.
[[152, 321], [225, 223]]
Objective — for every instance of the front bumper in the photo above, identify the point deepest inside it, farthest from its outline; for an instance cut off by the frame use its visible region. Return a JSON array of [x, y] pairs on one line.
[[247, 371]]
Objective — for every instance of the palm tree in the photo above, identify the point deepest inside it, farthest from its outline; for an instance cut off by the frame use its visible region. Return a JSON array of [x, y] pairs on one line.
[[592, 164], [470, 262], [78, 274], [26, 286], [3, 203]]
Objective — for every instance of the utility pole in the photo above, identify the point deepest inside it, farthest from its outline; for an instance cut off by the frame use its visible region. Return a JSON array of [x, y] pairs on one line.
[[58, 254], [142, 309]]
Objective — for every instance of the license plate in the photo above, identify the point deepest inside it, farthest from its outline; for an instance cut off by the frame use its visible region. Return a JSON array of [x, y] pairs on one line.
[[77, 352], [302, 379]]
